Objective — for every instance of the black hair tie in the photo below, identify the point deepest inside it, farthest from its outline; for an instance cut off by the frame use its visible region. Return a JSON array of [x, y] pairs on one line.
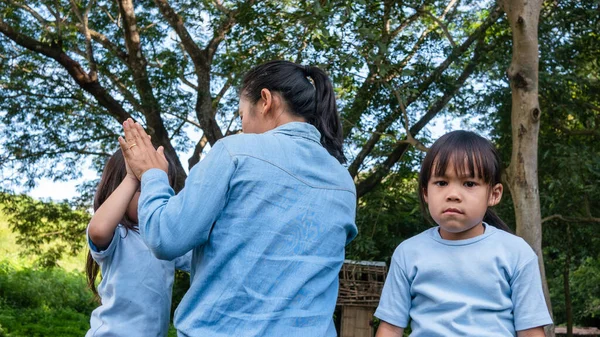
[[307, 70]]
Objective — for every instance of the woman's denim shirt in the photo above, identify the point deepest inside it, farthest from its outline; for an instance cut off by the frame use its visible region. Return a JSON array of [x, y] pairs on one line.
[[268, 217]]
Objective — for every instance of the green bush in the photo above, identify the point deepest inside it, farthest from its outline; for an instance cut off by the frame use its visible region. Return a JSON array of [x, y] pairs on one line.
[[43, 322], [43, 302], [44, 288]]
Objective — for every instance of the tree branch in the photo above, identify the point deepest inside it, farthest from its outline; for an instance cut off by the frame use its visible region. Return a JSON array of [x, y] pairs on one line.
[[151, 106], [570, 219], [176, 22], [401, 147], [405, 23], [365, 92], [220, 6], [409, 137], [195, 158], [122, 88], [217, 99], [62, 151], [185, 120], [390, 118], [106, 43], [74, 69], [35, 14], [439, 21], [202, 64], [222, 30], [83, 19], [187, 82]]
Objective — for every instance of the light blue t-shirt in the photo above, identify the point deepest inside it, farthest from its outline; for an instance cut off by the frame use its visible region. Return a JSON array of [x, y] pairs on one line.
[[135, 290], [484, 286], [268, 217]]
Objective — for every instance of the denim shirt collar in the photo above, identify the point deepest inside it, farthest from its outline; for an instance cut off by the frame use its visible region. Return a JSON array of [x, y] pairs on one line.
[[299, 129]]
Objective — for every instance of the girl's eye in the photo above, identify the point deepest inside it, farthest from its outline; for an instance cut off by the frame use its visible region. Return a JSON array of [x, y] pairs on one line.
[[440, 183], [470, 184]]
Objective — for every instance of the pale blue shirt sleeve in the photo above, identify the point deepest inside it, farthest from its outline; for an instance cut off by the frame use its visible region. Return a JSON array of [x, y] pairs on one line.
[[171, 225], [184, 263], [395, 301], [101, 254], [530, 308]]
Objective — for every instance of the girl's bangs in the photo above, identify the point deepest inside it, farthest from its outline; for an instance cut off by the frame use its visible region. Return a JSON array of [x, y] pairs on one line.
[[468, 159]]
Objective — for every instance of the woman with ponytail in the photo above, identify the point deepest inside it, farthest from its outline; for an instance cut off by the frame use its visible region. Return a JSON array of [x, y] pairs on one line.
[[468, 276], [267, 213]]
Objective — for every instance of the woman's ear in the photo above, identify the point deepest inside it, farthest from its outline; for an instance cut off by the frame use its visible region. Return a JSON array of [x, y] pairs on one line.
[[495, 195], [266, 101]]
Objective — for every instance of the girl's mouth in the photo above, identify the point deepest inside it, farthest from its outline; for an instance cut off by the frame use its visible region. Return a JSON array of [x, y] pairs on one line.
[[453, 211]]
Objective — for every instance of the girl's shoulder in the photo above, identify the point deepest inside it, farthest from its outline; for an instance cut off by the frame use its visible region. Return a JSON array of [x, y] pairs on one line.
[[512, 242], [415, 243]]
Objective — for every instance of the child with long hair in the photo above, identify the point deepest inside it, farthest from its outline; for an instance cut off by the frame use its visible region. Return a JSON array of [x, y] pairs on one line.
[[136, 287], [469, 276]]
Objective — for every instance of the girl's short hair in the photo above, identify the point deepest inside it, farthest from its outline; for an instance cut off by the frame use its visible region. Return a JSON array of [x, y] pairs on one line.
[[314, 101], [113, 174], [470, 155]]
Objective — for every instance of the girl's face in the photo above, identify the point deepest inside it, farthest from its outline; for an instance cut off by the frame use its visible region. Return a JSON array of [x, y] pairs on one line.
[[132, 212], [458, 203]]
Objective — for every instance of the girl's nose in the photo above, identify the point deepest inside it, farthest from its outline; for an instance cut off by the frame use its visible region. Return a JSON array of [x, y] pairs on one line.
[[453, 196]]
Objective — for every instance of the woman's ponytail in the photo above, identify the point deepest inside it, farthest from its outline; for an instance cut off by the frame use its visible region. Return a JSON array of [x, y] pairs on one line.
[[313, 99], [326, 118]]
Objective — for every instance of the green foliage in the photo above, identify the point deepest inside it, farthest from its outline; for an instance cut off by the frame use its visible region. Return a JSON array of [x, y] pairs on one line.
[[43, 322], [586, 282], [386, 216], [48, 288], [45, 229]]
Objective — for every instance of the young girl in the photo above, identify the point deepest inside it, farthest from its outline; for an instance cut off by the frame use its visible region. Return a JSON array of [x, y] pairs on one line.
[[136, 286], [469, 276]]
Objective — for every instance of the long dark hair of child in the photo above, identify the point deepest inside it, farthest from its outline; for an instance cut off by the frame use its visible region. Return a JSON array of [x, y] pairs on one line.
[[314, 101], [113, 174], [469, 153]]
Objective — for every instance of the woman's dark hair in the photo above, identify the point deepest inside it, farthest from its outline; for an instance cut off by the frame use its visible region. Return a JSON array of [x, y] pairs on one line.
[[113, 174], [316, 103], [470, 154]]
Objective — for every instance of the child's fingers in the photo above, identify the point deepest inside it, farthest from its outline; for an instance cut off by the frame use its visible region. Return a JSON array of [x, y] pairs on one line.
[[161, 152], [124, 146]]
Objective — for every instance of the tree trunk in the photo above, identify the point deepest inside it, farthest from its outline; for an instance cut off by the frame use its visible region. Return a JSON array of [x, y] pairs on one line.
[[523, 16]]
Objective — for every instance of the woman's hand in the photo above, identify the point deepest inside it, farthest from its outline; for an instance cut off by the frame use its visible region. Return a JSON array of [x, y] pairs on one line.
[[139, 152]]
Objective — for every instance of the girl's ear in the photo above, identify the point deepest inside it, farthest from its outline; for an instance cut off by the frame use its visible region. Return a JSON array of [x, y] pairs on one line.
[[425, 195], [495, 195]]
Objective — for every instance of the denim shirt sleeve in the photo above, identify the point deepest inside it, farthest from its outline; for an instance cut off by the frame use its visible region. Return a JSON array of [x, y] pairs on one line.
[[171, 225]]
